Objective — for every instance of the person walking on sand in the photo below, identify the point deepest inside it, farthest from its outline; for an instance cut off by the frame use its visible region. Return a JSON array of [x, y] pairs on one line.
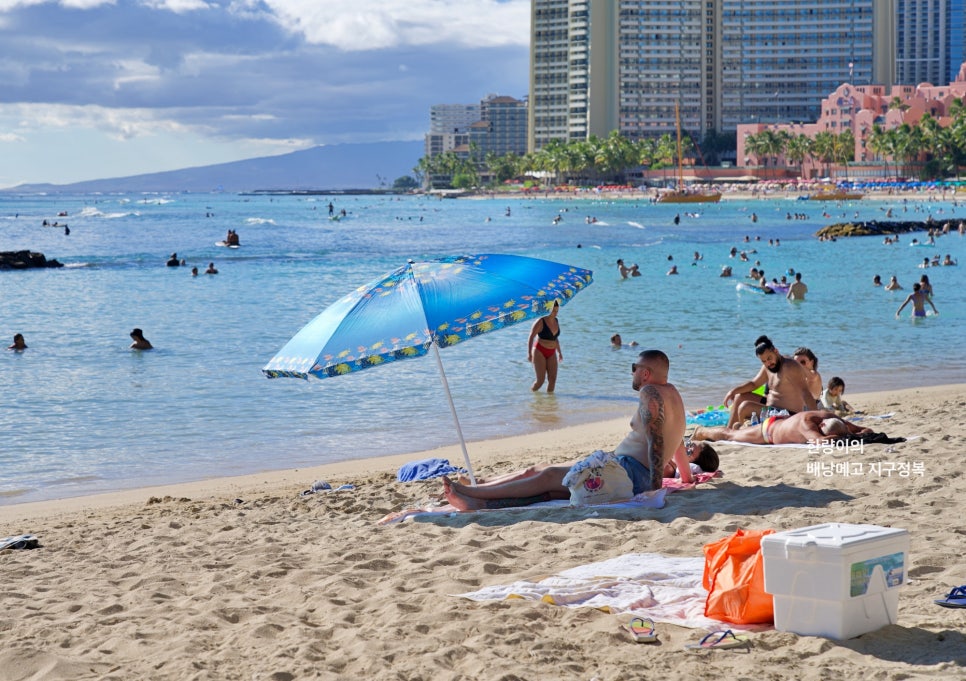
[[656, 440], [918, 300], [543, 349], [140, 342], [786, 386]]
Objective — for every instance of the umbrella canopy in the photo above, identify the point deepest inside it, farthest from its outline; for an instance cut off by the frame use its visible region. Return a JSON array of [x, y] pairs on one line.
[[449, 300], [435, 303]]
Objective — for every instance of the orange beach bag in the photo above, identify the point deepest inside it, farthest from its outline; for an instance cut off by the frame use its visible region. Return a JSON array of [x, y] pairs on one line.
[[734, 575]]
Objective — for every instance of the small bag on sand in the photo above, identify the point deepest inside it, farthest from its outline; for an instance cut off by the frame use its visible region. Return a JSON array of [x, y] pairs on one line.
[[598, 479]]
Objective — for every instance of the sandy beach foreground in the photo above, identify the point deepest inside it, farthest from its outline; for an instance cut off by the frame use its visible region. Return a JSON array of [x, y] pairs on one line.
[[242, 579]]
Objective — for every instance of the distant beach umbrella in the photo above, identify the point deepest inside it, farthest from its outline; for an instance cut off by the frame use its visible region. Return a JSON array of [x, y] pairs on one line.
[[423, 305]]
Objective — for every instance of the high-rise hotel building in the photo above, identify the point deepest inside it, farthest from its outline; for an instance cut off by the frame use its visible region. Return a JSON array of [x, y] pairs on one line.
[[931, 42], [627, 64]]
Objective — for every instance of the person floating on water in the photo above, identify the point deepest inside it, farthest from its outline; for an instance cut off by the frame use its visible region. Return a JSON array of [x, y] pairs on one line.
[[173, 261], [18, 343]]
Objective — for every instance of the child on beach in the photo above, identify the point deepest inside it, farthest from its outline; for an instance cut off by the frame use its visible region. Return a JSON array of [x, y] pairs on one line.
[[832, 397]]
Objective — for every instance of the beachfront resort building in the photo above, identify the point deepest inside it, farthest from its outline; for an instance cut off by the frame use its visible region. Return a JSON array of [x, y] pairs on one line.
[[449, 126], [498, 124], [502, 128], [857, 108], [627, 65]]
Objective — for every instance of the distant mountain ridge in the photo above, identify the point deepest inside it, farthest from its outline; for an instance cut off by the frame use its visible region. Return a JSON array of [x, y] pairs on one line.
[[331, 167]]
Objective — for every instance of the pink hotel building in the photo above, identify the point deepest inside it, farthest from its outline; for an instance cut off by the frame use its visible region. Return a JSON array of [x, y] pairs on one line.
[[858, 107]]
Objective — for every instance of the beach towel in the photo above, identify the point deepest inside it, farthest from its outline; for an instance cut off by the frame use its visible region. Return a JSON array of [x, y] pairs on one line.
[[662, 588], [653, 499], [425, 470]]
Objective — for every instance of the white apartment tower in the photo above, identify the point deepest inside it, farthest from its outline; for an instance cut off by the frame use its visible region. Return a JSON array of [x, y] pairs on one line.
[[573, 70]]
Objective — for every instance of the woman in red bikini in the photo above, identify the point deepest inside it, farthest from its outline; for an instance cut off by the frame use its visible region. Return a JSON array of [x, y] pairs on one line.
[[545, 352]]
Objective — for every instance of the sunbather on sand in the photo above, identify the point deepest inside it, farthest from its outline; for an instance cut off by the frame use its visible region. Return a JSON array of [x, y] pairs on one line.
[[657, 436], [802, 428], [700, 454]]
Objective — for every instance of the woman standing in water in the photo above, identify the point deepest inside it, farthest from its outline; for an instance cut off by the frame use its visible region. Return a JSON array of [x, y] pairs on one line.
[[545, 352]]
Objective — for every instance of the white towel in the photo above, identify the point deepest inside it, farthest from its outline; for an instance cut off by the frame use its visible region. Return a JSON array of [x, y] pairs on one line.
[[663, 588]]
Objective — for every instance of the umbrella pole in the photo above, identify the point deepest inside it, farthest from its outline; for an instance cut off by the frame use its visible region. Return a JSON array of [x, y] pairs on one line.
[[452, 408]]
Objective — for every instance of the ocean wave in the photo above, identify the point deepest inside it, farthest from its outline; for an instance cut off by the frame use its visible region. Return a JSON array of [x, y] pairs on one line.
[[91, 212], [259, 221]]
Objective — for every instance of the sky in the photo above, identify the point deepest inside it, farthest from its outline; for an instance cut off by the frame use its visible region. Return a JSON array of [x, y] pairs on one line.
[[93, 89]]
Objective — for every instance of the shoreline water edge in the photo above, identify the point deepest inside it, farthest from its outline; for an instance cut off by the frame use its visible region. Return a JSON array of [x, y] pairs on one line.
[[85, 414], [247, 578]]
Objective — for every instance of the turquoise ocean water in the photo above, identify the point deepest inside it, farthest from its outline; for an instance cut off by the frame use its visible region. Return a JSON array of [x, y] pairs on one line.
[[80, 413]]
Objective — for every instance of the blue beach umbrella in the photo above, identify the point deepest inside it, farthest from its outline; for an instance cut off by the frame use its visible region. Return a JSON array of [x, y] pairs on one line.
[[423, 305]]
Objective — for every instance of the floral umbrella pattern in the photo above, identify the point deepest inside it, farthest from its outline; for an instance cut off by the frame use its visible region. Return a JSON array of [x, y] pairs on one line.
[[398, 315]]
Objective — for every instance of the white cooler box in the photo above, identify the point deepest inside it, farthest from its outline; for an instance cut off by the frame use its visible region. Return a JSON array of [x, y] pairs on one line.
[[835, 580]]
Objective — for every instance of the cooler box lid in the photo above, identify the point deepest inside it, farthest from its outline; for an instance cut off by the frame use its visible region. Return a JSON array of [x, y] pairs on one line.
[[840, 537]]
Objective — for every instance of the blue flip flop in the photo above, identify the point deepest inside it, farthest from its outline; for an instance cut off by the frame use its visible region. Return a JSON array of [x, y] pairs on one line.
[[721, 640], [954, 599]]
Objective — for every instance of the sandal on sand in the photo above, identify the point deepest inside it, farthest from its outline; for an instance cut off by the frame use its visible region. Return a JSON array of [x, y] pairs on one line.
[[317, 486], [23, 541], [954, 599], [641, 630], [721, 640]]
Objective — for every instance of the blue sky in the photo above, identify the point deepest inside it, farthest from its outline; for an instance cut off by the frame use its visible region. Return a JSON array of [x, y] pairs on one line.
[[95, 89]]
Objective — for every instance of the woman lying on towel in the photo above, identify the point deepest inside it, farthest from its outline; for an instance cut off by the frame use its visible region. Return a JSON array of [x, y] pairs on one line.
[[545, 482], [797, 429]]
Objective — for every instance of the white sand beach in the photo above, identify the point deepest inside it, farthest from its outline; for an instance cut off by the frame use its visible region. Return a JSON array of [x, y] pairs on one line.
[[241, 578]]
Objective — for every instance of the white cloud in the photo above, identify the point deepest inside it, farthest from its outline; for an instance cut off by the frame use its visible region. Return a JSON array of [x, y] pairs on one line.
[[116, 123], [6, 5], [177, 6], [377, 24]]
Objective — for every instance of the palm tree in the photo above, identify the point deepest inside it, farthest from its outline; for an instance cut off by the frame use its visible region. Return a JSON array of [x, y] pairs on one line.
[[774, 143], [824, 149], [797, 149], [908, 144], [503, 168], [757, 146], [878, 144], [843, 150], [666, 152]]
